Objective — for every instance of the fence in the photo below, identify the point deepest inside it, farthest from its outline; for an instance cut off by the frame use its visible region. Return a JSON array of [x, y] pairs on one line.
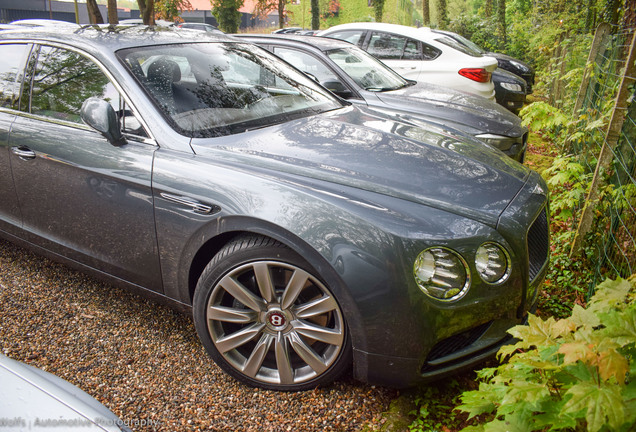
[[606, 146]]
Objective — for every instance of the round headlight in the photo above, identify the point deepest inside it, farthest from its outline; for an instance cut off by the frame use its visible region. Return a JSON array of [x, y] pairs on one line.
[[512, 87], [442, 274], [493, 263]]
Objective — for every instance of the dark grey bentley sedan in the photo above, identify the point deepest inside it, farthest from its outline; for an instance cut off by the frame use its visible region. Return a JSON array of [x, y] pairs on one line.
[[306, 236]]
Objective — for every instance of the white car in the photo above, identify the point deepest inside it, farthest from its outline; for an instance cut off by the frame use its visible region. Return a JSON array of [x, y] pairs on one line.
[[421, 55], [31, 399]]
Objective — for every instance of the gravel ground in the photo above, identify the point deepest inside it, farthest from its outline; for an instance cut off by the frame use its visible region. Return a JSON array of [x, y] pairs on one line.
[[144, 361]]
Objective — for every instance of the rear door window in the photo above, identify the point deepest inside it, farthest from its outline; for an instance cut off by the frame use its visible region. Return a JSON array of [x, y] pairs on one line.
[[11, 73], [387, 46]]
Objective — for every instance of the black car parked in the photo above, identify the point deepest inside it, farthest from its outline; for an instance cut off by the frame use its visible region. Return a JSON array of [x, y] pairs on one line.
[[355, 75], [510, 90]]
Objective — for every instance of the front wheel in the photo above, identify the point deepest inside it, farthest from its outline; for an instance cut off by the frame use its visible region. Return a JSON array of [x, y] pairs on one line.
[[267, 320]]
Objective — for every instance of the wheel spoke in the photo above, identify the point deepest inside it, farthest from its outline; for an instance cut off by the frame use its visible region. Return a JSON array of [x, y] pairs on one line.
[[253, 364], [272, 322], [322, 334], [226, 314], [293, 288], [283, 364], [242, 294], [307, 354], [316, 307], [264, 280], [235, 340]]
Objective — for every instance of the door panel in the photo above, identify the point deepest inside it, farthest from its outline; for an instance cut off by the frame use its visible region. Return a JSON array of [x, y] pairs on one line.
[[85, 199], [79, 195]]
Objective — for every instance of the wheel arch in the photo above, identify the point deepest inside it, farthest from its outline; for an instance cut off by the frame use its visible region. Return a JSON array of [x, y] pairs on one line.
[[212, 238]]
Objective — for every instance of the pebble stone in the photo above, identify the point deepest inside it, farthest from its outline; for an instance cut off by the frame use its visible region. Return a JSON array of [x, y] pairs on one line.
[[145, 363]]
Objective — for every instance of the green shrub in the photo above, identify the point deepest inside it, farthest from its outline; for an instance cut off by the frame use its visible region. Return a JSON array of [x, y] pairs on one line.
[[576, 373]]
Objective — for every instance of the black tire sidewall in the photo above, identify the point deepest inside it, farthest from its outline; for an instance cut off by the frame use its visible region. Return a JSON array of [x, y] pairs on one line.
[[237, 253]]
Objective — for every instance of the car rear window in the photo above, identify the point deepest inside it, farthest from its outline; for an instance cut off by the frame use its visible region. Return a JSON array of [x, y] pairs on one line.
[[449, 41]]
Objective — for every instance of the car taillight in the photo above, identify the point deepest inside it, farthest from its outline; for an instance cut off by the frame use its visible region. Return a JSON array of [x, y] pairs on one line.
[[476, 74]]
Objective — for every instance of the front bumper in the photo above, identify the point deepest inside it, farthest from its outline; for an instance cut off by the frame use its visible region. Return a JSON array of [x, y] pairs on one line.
[[463, 351], [512, 101], [466, 348]]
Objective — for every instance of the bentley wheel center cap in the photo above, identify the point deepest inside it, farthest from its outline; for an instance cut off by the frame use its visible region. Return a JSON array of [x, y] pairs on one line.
[[276, 320]]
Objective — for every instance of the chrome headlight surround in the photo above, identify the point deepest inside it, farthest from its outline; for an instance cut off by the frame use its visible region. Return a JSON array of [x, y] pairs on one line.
[[493, 264], [442, 274], [500, 142], [519, 65], [512, 87]]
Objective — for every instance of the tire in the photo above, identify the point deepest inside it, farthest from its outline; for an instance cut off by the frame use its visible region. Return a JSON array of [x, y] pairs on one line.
[[266, 320]]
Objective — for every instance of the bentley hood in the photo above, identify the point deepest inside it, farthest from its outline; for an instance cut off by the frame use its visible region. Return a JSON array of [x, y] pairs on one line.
[[475, 114], [367, 150]]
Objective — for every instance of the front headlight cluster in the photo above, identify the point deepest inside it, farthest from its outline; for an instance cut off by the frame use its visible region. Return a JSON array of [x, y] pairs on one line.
[[512, 87], [500, 142], [444, 274]]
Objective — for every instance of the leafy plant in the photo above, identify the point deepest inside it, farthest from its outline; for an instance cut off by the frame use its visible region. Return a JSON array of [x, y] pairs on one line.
[[566, 280], [577, 373], [541, 116], [568, 181]]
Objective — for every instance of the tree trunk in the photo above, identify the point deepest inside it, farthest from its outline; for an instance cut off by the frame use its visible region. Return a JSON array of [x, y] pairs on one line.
[[281, 13], [591, 13], [629, 19], [426, 13], [488, 8], [378, 9], [315, 14], [612, 11], [94, 15], [147, 9], [112, 12], [501, 19], [442, 15]]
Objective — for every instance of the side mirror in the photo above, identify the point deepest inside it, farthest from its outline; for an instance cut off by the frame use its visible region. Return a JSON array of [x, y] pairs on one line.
[[100, 115], [337, 87]]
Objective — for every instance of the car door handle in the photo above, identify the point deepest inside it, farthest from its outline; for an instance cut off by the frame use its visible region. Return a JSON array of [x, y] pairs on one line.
[[196, 206], [23, 152]]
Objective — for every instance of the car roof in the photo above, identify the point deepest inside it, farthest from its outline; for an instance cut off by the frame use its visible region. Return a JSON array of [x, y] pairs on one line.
[[38, 22], [422, 33], [322, 43], [103, 38]]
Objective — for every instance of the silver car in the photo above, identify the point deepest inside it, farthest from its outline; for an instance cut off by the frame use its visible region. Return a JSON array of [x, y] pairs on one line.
[[32, 399]]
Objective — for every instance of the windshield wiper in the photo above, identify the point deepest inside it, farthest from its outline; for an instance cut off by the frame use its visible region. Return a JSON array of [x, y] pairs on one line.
[[383, 89]]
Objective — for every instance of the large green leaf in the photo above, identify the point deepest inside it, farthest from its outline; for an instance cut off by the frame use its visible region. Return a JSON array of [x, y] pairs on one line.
[[610, 294], [602, 404], [479, 401]]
